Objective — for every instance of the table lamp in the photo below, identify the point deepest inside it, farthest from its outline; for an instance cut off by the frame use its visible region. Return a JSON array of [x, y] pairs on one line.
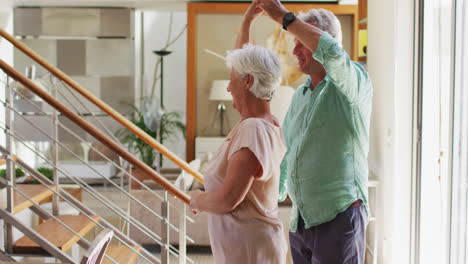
[[220, 94]]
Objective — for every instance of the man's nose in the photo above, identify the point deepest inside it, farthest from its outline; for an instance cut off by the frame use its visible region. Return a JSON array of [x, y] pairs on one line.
[[295, 50]]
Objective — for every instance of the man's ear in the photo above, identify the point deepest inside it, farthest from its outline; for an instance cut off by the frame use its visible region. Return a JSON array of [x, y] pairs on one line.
[[249, 80]]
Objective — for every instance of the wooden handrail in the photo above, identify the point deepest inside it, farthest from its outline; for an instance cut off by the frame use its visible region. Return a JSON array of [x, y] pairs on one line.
[[103, 106], [91, 129]]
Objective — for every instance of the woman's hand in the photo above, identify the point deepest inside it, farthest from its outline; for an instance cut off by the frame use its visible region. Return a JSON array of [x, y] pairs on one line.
[[252, 12], [250, 15], [273, 8], [194, 201]]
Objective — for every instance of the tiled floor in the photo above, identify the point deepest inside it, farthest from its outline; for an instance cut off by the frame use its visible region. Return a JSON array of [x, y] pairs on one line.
[[196, 254]]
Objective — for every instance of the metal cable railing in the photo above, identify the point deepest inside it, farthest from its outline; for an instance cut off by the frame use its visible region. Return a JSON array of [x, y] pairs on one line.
[[140, 226], [86, 187], [112, 144], [72, 201], [102, 155], [90, 145], [120, 166], [103, 106], [44, 212], [95, 133], [47, 183], [105, 201]]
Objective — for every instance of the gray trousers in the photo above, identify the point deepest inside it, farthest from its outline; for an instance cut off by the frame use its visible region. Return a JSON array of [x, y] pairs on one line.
[[341, 240]]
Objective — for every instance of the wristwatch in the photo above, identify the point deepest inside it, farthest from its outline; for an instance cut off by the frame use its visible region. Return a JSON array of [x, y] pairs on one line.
[[288, 18]]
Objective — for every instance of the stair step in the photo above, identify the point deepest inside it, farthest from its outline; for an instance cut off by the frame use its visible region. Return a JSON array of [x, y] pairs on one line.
[[36, 192], [57, 234], [3, 161], [121, 254]]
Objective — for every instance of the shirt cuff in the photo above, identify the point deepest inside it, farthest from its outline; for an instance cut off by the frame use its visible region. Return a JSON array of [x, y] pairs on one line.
[[325, 45]]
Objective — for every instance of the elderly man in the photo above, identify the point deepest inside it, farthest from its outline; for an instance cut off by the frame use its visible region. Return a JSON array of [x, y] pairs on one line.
[[327, 134]]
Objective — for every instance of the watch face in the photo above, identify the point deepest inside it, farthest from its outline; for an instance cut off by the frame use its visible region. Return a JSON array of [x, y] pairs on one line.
[[288, 18]]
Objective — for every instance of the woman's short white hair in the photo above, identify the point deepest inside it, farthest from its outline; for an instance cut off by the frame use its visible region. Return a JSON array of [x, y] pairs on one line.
[[325, 20], [262, 64]]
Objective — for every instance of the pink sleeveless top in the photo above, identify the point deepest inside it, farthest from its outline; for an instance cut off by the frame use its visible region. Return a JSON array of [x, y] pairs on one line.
[[253, 232]]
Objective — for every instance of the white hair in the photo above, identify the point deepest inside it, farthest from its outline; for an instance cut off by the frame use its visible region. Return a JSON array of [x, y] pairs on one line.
[[325, 20], [262, 64]]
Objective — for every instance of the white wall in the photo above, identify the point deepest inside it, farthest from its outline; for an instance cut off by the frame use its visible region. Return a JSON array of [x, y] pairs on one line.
[[390, 53], [6, 54]]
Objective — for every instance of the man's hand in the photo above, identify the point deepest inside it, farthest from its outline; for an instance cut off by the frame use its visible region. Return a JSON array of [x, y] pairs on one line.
[[273, 8]]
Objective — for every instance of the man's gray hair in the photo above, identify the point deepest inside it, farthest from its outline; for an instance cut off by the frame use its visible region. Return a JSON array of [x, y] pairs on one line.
[[262, 64], [325, 20]]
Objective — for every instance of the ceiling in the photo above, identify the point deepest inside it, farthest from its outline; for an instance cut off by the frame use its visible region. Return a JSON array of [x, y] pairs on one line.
[[141, 4]]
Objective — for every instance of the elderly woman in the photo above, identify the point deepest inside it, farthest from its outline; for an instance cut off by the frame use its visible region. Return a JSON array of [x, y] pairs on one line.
[[242, 179]]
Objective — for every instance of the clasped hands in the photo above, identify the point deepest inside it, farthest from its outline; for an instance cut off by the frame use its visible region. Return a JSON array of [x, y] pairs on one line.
[[273, 8]]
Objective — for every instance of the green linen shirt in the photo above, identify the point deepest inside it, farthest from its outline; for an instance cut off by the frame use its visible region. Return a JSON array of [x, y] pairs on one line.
[[327, 135]]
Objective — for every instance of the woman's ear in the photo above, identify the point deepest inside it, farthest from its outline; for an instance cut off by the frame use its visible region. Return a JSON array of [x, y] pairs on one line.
[[249, 80]]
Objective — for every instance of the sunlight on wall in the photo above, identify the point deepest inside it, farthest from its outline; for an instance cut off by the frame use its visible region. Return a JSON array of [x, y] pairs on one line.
[[390, 64], [435, 132]]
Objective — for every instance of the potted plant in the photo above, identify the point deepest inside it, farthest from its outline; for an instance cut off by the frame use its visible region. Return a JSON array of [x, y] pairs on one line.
[[158, 124]]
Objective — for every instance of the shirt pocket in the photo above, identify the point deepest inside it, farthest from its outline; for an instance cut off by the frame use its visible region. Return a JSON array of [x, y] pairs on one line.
[[317, 118]]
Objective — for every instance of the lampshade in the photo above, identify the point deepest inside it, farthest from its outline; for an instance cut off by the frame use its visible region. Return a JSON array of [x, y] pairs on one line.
[[219, 91]]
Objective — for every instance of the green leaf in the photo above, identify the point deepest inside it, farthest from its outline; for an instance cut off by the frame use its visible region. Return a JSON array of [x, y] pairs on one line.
[[170, 125]]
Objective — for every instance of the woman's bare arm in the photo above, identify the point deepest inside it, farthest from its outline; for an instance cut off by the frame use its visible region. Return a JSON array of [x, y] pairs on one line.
[[242, 169], [249, 17]]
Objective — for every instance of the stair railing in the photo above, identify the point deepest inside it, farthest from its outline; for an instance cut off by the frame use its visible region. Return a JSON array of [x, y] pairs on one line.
[[105, 201], [77, 180], [103, 106], [78, 206], [46, 215], [68, 113], [94, 132]]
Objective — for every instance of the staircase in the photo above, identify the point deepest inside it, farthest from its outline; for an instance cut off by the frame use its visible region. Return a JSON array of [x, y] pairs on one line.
[[62, 231], [59, 233], [37, 193]]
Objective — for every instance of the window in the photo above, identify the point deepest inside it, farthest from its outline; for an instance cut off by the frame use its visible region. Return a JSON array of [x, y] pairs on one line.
[[432, 244], [459, 214]]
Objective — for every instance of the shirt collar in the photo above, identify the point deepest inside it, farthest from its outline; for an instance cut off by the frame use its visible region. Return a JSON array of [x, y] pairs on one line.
[[308, 83]]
